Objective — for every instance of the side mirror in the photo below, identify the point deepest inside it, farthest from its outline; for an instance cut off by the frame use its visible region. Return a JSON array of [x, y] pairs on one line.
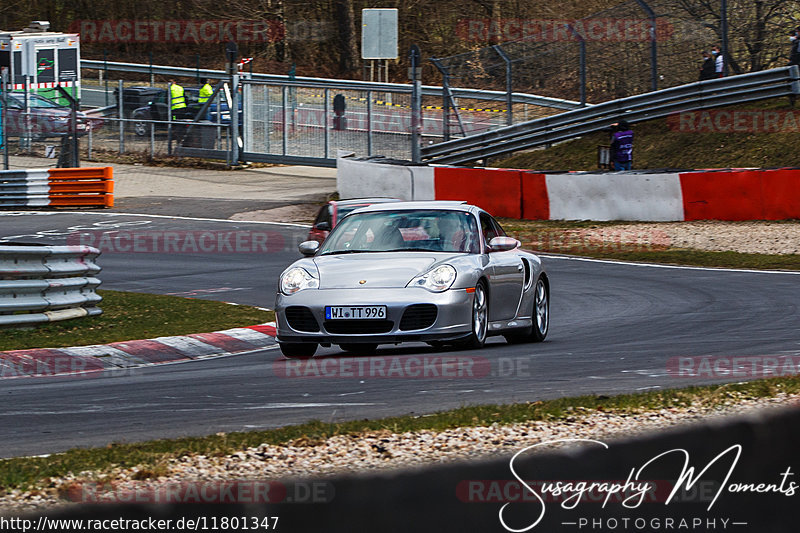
[[503, 244], [308, 248], [323, 226]]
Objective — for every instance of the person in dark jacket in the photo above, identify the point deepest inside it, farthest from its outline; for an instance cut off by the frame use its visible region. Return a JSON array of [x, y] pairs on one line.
[[622, 146], [708, 69]]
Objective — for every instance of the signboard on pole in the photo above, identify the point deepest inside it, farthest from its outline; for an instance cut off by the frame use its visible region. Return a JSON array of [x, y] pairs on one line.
[[379, 33]]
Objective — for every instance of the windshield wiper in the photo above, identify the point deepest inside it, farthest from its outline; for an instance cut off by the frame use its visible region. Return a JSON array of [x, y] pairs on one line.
[[338, 252]]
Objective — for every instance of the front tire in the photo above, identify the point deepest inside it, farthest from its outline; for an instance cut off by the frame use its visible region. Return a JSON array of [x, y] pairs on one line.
[[480, 318], [298, 350], [140, 128]]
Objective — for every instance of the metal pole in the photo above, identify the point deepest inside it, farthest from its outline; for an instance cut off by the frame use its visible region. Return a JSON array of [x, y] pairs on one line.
[[197, 67], [509, 85], [73, 117], [723, 15], [152, 140], [653, 45], [169, 119], [234, 112], [416, 104], [4, 82], [105, 73], [27, 138], [152, 77], [369, 123], [218, 144], [445, 98], [327, 96], [582, 67], [121, 120], [285, 140]]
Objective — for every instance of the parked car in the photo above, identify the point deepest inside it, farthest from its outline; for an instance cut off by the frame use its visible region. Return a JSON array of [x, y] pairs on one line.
[[438, 272], [48, 118], [155, 108], [332, 212]]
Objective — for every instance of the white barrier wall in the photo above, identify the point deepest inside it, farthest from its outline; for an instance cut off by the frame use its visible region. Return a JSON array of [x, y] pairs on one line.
[[361, 179], [655, 197]]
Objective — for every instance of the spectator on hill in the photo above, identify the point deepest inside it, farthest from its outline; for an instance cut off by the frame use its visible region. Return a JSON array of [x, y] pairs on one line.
[[622, 146], [719, 61], [708, 69]]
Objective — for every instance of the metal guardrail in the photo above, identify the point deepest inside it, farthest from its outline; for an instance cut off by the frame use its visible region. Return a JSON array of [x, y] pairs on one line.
[[323, 83], [699, 95], [40, 284]]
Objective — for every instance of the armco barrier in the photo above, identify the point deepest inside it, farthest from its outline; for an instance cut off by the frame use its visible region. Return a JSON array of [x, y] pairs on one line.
[[47, 283], [57, 187], [738, 475], [697, 195]]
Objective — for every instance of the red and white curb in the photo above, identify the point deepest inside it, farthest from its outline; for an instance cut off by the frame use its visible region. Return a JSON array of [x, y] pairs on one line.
[[133, 354]]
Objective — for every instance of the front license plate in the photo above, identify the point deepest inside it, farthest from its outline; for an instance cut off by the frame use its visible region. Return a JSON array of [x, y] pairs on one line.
[[354, 312]]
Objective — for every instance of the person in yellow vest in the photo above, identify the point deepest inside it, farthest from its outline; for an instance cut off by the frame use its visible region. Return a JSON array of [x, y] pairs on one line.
[[205, 91], [177, 100]]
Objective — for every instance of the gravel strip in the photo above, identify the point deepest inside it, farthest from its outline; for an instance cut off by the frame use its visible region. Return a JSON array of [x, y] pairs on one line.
[[370, 452]]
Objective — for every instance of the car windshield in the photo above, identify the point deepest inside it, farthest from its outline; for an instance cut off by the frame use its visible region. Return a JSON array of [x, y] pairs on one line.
[[39, 101], [412, 230]]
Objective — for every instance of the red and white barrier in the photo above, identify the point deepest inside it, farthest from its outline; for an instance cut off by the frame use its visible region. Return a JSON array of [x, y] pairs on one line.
[[697, 195]]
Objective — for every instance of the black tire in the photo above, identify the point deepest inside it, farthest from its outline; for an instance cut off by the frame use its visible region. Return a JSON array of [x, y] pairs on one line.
[[140, 128], [298, 350], [480, 318], [540, 316], [359, 348]]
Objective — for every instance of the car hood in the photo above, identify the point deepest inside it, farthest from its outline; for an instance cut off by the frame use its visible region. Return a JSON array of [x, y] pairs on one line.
[[377, 270]]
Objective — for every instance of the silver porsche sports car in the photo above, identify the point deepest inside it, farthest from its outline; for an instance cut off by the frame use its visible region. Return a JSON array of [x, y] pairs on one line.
[[438, 272]]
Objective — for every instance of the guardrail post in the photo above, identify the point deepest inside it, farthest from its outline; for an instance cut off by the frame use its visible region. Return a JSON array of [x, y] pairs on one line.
[[26, 139], [582, 67]]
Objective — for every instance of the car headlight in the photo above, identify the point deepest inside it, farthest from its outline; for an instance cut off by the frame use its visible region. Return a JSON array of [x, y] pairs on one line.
[[439, 279], [297, 279]]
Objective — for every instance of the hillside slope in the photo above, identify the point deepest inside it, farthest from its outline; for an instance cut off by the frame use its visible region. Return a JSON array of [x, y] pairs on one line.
[[663, 143]]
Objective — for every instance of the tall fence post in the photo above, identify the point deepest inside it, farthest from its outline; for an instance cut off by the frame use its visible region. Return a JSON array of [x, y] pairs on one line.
[[26, 140], [509, 84], [105, 73], [582, 67], [416, 103], [723, 26], [653, 45], [3, 119], [234, 112], [369, 123], [327, 96], [120, 99], [284, 111]]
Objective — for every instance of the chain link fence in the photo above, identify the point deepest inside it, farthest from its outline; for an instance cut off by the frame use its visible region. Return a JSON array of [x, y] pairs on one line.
[[631, 48]]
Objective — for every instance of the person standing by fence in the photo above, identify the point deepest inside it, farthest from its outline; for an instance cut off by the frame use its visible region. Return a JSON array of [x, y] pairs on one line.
[[708, 69], [177, 100], [205, 91], [622, 146], [719, 61]]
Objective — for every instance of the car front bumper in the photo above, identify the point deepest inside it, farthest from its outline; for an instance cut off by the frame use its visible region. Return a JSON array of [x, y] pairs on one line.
[[453, 315]]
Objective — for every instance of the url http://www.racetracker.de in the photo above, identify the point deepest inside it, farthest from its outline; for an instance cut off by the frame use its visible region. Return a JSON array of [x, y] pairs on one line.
[[196, 523]]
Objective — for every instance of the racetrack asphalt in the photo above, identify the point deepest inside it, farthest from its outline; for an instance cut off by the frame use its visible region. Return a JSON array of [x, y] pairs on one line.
[[615, 328]]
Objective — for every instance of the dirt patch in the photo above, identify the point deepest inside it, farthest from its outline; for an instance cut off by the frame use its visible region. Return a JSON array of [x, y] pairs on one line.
[[298, 214]]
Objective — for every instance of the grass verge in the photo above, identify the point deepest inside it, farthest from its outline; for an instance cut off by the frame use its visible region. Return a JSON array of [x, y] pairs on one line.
[[30, 472], [131, 316], [607, 240]]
